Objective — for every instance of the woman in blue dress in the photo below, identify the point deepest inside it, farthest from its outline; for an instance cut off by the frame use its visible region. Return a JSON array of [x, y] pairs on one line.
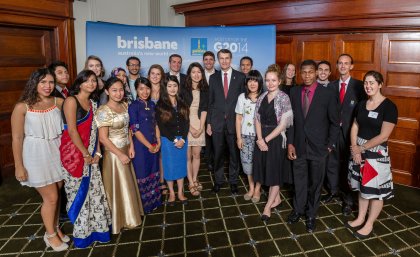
[[173, 122], [146, 139]]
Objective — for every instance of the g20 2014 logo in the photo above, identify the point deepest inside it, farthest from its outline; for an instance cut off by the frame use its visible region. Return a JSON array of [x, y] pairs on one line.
[[198, 46]]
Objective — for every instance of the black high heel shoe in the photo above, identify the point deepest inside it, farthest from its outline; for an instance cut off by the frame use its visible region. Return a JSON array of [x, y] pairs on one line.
[[265, 218], [347, 225], [360, 236]]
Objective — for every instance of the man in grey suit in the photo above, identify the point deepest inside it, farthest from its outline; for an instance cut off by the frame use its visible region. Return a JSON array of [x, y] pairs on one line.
[[225, 87]]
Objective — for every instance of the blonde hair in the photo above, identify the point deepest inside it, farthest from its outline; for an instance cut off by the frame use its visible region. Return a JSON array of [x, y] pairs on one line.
[[275, 69]]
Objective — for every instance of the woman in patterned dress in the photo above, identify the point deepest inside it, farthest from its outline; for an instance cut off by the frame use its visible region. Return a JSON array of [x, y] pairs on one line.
[[36, 132], [245, 129], [146, 141], [117, 172], [195, 95], [87, 205], [370, 167]]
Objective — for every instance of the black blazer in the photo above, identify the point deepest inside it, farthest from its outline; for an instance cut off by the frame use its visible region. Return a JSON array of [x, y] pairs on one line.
[[176, 126], [57, 93], [354, 94], [186, 95], [317, 132], [221, 111], [181, 75]]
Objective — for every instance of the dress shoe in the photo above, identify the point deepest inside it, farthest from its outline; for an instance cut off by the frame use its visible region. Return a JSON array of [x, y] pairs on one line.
[[347, 210], [216, 188], [360, 236], [293, 217], [347, 225], [62, 247], [234, 188], [328, 198], [265, 218], [310, 225]]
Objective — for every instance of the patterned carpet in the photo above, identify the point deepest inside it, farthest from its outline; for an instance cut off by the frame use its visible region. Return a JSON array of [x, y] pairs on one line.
[[225, 225]]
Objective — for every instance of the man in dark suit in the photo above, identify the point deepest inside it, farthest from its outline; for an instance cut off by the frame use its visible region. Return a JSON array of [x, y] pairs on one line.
[[312, 137], [175, 63], [61, 74], [208, 63], [225, 87], [349, 92]]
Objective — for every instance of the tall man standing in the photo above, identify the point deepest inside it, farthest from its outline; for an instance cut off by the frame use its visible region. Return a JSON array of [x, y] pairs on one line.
[[348, 92], [208, 63], [225, 87], [133, 65], [312, 137], [175, 64]]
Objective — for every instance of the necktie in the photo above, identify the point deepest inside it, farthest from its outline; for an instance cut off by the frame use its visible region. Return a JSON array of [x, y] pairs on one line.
[[342, 92], [305, 105], [225, 84], [65, 92]]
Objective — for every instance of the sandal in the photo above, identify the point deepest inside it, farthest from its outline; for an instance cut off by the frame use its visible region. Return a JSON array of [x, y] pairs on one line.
[[198, 185], [163, 188], [193, 190]]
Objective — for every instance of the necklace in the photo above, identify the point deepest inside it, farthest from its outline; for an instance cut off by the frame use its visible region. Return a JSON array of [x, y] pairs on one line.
[[145, 103]]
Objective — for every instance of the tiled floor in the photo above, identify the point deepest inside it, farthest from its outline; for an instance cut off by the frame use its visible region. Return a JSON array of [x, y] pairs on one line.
[[225, 225]]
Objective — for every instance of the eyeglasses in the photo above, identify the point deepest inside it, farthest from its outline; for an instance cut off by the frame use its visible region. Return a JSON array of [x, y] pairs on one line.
[[134, 65]]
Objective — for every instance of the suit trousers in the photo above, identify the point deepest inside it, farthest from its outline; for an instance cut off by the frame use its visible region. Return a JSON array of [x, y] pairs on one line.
[[337, 170], [209, 150], [219, 140], [308, 176]]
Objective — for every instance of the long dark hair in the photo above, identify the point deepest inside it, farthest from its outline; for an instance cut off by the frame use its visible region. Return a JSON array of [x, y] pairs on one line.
[[164, 105], [256, 76], [202, 85], [30, 92], [283, 75], [144, 81], [81, 78]]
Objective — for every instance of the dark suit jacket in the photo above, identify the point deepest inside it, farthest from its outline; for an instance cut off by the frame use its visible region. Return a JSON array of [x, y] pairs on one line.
[[182, 76], [187, 96], [354, 94], [56, 93], [221, 111], [317, 132]]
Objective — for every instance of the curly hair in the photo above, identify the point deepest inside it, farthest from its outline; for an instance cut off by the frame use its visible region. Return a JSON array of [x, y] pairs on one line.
[[30, 92], [164, 105], [202, 85]]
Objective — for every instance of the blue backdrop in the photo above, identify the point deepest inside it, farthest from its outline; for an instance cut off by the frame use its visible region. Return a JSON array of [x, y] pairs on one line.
[[114, 43]]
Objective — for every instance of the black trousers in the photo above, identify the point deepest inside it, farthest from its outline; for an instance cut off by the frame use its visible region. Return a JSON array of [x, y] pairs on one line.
[[220, 139], [337, 170], [308, 176], [209, 150]]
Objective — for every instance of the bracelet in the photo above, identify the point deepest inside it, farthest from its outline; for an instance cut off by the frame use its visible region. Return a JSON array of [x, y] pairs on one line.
[[98, 154], [182, 140], [175, 140]]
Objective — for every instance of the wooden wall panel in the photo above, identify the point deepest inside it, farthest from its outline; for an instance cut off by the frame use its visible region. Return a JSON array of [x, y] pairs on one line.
[[380, 35], [32, 35]]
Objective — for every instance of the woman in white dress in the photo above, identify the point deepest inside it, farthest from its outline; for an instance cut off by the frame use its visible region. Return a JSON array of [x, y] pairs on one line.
[[195, 94], [36, 132]]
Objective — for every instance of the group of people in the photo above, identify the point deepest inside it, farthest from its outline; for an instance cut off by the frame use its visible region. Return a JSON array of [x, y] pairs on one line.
[[118, 145]]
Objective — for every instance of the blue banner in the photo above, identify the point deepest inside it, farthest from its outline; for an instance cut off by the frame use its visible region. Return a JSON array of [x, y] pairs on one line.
[[114, 43]]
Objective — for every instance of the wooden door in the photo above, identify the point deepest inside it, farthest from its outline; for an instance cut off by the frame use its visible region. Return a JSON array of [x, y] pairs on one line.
[[23, 49], [397, 57]]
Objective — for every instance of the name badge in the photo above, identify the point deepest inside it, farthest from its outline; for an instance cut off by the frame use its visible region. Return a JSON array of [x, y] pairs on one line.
[[373, 115]]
